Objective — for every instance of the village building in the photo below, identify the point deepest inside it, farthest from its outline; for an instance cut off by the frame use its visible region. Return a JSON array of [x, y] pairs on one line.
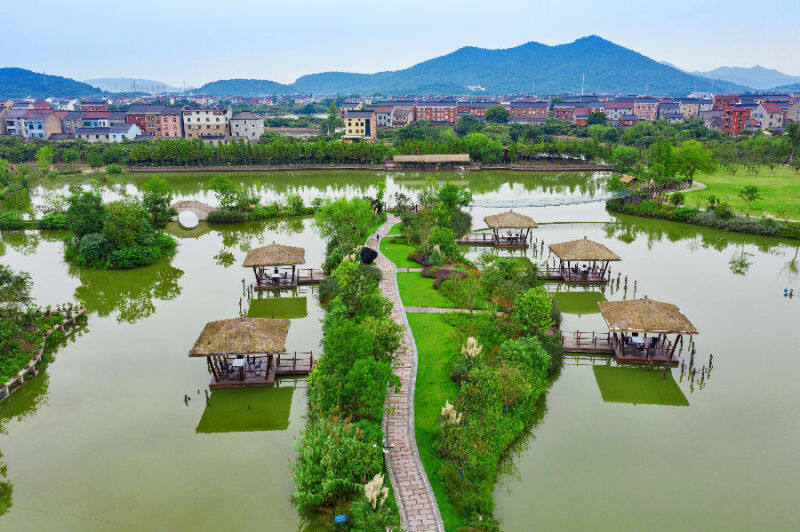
[[735, 118], [438, 112], [206, 122], [247, 126], [40, 125], [646, 108], [767, 115], [360, 126], [527, 111], [94, 105], [115, 133], [616, 109]]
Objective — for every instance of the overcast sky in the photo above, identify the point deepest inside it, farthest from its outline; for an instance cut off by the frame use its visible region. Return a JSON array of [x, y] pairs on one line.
[[197, 41]]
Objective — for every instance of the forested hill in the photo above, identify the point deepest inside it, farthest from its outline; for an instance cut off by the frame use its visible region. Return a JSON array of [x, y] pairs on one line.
[[531, 67], [21, 83]]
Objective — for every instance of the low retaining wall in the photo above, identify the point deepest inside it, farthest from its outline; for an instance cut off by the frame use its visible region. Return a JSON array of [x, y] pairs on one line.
[[15, 382]]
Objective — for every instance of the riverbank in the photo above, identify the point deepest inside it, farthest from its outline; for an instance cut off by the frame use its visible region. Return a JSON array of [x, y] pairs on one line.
[[387, 166], [705, 218]]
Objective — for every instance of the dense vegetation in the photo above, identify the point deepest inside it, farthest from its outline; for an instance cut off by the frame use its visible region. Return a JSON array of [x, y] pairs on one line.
[[119, 234], [22, 83], [339, 456], [22, 327]]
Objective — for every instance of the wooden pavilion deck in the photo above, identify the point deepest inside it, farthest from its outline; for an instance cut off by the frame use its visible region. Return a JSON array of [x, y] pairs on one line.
[[310, 276], [485, 238], [584, 342], [591, 276], [263, 371]]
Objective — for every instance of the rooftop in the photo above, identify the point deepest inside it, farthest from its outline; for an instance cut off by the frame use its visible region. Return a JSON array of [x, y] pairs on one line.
[[645, 315], [274, 255], [509, 220], [241, 336], [583, 249]]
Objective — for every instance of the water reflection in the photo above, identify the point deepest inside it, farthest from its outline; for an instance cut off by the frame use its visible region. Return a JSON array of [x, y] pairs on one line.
[[638, 386], [129, 293], [247, 410], [272, 307]]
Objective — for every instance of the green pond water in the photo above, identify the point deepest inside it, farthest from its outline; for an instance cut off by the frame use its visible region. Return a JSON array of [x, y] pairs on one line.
[[103, 439]]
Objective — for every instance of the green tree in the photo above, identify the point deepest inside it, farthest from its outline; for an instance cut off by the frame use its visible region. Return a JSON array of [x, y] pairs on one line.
[[85, 213], [345, 222], [44, 157], [532, 310], [467, 124], [749, 194], [70, 155], [793, 134], [497, 114], [691, 157], [156, 199], [624, 158], [676, 198], [596, 118], [124, 222], [15, 290]]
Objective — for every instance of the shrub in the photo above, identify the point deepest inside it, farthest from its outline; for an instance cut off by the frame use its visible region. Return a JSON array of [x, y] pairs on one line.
[[268, 212], [676, 198], [85, 213], [94, 248], [11, 220], [114, 169], [723, 210], [52, 221], [685, 214], [295, 204], [227, 216]]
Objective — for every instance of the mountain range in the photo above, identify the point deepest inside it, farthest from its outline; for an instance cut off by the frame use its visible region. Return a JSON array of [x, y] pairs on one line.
[[132, 85], [756, 77], [589, 64], [21, 83], [597, 64]]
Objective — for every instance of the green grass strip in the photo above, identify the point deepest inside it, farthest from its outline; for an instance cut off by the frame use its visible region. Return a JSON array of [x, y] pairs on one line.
[[433, 387]]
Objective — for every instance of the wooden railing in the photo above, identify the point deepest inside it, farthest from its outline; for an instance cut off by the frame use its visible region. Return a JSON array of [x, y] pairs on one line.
[[586, 339]]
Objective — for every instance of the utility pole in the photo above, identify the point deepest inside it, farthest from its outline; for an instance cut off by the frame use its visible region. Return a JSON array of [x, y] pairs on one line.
[[583, 80]]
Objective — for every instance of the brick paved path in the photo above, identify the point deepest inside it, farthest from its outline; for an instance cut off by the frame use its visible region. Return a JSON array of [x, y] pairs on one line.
[[415, 499]]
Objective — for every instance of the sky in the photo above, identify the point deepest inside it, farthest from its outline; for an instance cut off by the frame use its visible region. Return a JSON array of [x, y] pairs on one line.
[[197, 41]]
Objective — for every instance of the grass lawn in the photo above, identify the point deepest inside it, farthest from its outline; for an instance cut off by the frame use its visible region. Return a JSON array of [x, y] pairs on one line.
[[397, 229], [433, 388], [779, 187], [397, 251], [418, 291]]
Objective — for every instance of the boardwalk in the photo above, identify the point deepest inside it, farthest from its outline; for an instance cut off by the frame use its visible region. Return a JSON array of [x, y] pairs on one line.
[[415, 499]]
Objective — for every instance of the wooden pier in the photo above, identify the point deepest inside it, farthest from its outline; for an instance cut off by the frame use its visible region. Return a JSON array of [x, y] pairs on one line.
[[310, 276], [588, 276], [651, 350], [484, 238], [260, 371]]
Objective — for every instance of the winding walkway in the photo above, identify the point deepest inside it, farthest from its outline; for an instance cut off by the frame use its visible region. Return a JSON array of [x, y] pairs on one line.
[[415, 499]]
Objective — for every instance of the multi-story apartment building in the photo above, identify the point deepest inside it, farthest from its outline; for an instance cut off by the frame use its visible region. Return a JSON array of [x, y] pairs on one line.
[[616, 109], [206, 122], [735, 118], [72, 121], [41, 124], [476, 109], [689, 107], [156, 120], [527, 111], [793, 113], [437, 112], [646, 108], [668, 108], [15, 121], [402, 117], [360, 126], [767, 115], [247, 126], [722, 101]]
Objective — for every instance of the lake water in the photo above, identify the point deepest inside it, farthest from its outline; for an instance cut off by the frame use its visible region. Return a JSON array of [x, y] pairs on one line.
[[103, 440]]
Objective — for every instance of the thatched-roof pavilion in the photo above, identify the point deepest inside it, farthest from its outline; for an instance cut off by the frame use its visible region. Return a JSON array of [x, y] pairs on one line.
[[519, 223], [628, 179], [278, 257], [631, 321], [583, 261], [240, 351]]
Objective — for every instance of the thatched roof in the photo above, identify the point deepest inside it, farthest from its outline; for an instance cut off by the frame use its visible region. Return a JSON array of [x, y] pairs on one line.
[[645, 315], [274, 255], [582, 249], [509, 220], [628, 179], [241, 336], [433, 158]]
